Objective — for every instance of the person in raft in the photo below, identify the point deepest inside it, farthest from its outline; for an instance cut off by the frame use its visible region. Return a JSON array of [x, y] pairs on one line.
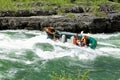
[[76, 40], [87, 41], [51, 33], [84, 41]]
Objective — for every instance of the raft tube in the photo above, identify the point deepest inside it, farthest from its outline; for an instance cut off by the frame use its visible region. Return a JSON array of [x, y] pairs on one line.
[[92, 42]]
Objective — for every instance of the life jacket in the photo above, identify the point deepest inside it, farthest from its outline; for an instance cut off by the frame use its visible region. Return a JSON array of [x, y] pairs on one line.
[[48, 30], [75, 41], [84, 41]]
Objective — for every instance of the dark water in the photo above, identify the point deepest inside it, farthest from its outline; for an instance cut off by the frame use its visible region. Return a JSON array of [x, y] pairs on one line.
[[28, 55]]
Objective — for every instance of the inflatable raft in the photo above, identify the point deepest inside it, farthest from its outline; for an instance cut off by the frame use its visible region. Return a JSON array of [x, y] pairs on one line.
[[92, 42]]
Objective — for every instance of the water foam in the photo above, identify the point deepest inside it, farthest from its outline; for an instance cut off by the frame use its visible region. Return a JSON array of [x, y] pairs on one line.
[[60, 49]]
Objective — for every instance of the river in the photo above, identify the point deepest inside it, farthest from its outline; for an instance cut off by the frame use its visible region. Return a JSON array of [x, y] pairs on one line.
[[29, 55]]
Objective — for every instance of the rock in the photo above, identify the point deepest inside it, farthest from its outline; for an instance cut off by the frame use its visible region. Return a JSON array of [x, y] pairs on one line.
[[44, 12], [81, 22], [27, 13], [7, 13], [115, 21], [100, 25], [106, 8], [77, 9], [36, 25], [23, 13]]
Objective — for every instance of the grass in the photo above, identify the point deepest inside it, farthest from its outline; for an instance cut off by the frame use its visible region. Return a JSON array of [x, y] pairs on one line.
[[116, 6], [70, 15], [13, 4], [68, 76], [116, 0], [7, 5]]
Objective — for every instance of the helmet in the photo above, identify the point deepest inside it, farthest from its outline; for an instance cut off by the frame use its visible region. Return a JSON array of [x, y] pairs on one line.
[[80, 36]]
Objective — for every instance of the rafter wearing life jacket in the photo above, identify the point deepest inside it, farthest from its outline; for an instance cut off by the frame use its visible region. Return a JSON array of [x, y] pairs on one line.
[[52, 33], [87, 41]]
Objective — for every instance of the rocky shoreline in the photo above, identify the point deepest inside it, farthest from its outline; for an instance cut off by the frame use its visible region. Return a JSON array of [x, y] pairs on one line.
[[80, 22], [75, 19]]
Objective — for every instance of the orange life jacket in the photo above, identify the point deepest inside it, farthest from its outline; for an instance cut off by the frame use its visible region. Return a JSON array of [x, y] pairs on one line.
[[75, 41], [83, 40], [48, 30]]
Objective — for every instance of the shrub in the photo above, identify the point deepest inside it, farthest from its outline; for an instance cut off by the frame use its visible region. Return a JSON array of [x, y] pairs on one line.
[[69, 76]]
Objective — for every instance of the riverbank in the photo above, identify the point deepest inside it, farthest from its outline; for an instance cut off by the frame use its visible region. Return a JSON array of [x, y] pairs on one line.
[[80, 22], [76, 16]]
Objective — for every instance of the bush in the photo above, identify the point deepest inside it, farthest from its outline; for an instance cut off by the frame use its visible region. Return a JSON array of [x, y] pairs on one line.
[[69, 76]]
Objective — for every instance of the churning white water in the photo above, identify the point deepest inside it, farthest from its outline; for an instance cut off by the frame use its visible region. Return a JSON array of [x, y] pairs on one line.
[[17, 40]]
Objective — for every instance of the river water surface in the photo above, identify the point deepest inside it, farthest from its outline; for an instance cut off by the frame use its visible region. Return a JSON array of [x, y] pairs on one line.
[[29, 55]]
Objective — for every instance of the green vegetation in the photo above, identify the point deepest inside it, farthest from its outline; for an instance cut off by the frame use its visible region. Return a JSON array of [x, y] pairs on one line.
[[116, 0], [116, 6], [7, 5], [68, 76], [70, 15], [58, 5]]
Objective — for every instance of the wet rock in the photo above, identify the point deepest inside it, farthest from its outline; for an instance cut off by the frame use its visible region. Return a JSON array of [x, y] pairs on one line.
[[44, 12], [23, 13], [115, 21], [7, 13], [81, 22], [77, 9], [27, 13], [100, 25]]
